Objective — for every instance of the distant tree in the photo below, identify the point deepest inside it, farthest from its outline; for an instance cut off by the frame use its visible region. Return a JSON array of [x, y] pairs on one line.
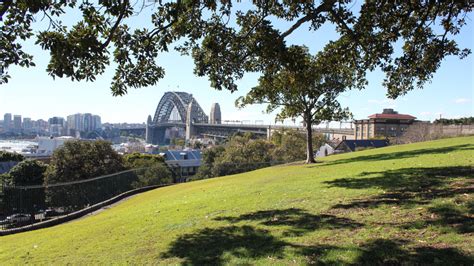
[[456, 121], [242, 154], [197, 145], [290, 145], [153, 174], [26, 173], [308, 86], [10, 156], [149, 168], [228, 38], [133, 159], [207, 163], [180, 142], [80, 160]]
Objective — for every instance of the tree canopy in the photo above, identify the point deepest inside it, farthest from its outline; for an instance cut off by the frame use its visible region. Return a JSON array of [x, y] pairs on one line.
[[308, 86], [243, 153], [149, 168], [26, 173], [407, 40], [79, 160], [456, 121], [10, 156]]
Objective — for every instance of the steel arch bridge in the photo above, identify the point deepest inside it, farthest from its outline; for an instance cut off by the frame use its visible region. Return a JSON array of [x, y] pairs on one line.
[[196, 122], [181, 101]]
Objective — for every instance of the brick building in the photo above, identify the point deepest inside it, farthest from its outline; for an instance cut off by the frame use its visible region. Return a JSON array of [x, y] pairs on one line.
[[387, 124]]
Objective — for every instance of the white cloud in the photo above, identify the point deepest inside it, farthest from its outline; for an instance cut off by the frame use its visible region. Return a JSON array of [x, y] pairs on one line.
[[462, 100]]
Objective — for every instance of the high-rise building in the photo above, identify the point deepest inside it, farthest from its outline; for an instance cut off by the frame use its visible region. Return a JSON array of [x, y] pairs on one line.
[[74, 123], [7, 121], [97, 124], [56, 120], [215, 115], [87, 122], [82, 123], [40, 126], [56, 126], [17, 122], [27, 124]]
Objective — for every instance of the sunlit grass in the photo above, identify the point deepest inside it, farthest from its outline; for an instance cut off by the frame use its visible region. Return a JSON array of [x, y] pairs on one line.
[[402, 203]]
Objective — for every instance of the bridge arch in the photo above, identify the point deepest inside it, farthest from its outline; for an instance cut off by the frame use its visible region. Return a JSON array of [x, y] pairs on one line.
[[181, 101]]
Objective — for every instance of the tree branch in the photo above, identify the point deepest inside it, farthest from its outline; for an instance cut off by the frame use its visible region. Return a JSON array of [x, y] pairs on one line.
[[115, 26], [155, 31], [324, 7], [425, 17], [6, 4], [254, 26], [51, 21], [348, 30], [448, 21]]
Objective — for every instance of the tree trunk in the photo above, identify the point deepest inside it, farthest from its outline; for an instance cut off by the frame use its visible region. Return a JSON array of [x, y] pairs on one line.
[[309, 142]]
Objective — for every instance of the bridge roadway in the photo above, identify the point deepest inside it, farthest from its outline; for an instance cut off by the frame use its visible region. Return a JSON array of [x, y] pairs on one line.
[[226, 130], [263, 129], [254, 127]]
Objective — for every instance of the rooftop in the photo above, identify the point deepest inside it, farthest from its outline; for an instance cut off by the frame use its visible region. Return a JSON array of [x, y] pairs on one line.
[[391, 114]]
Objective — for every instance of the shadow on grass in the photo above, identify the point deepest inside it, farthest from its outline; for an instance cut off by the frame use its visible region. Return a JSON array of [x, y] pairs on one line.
[[209, 246], [407, 185], [447, 215], [392, 252], [454, 216], [218, 246], [299, 221], [403, 154], [385, 252]]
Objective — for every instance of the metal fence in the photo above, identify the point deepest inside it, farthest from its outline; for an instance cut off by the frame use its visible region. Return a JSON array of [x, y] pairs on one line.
[[23, 205]]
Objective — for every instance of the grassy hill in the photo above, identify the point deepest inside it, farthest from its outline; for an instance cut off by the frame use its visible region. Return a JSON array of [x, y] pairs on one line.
[[410, 203]]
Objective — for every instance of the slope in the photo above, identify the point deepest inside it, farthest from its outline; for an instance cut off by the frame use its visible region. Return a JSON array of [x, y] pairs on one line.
[[411, 203]]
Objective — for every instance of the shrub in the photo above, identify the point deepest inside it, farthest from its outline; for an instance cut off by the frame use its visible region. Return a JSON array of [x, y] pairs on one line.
[[9, 156], [80, 160], [150, 169]]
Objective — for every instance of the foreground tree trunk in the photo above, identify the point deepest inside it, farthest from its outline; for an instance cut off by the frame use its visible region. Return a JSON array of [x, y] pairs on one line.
[[309, 142]]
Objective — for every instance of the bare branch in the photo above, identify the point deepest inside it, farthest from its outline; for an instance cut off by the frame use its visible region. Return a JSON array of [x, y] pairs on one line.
[[51, 21]]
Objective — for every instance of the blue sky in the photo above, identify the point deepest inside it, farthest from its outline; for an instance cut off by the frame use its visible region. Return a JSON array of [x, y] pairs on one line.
[[32, 93]]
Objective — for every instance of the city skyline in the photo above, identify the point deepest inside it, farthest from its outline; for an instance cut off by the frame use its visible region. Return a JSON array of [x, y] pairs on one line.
[[56, 125]]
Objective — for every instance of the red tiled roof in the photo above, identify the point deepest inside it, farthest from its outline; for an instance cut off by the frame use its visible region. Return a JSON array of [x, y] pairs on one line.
[[392, 116]]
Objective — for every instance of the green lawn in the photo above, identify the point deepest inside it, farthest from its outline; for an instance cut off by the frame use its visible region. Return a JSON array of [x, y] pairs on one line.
[[410, 203]]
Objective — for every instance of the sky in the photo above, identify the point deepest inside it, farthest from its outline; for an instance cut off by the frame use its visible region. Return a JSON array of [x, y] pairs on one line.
[[31, 92]]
